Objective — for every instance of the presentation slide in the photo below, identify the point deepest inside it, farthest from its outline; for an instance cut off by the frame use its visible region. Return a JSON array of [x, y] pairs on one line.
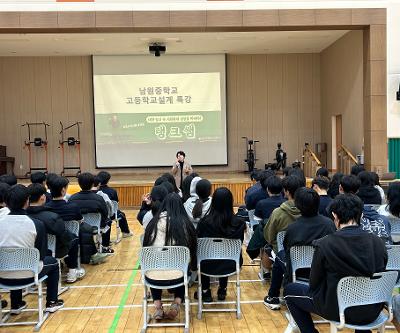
[[143, 118]]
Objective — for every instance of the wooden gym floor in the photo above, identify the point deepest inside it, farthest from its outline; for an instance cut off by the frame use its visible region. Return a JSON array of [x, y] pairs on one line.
[[109, 299]]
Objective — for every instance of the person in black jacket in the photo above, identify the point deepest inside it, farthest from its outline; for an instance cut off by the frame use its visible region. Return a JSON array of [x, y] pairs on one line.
[[321, 186], [66, 242], [367, 191], [349, 184], [104, 177], [40, 178], [69, 211], [252, 197], [303, 231], [19, 230], [220, 222], [350, 251], [90, 202]]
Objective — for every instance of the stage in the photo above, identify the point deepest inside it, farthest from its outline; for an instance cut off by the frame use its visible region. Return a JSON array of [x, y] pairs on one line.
[[131, 187]]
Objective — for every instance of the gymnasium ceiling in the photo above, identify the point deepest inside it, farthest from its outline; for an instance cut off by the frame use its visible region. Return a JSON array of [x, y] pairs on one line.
[[177, 43]]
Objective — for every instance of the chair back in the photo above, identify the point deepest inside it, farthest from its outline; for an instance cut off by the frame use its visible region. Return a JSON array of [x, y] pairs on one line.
[[218, 248], [93, 219], [51, 244], [301, 257], [72, 227], [15, 259], [164, 258], [114, 208], [394, 225], [393, 263], [355, 291], [279, 240]]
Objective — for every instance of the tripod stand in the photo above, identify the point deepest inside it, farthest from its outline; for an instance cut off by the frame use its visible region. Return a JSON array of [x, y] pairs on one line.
[[37, 142]]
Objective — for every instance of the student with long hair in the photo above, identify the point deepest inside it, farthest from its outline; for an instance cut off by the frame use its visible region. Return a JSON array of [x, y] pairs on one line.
[[220, 222], [157, 196], [170, 226], [170, 179], [198, 208]]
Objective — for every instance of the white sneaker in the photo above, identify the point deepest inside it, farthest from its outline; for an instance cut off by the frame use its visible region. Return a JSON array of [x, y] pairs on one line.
[[80, 272], [72, 275]]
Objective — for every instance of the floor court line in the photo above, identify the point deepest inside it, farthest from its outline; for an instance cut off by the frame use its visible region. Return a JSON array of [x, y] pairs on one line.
[[139, 284], [130, 306]]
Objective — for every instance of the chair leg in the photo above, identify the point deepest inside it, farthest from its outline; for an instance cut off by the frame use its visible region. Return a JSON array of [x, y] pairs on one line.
[[61, 289], [332, 328], [100, 240], [145, 319], [238, 309], [199, 297], [187, 308], [41, 315], [381, 329]]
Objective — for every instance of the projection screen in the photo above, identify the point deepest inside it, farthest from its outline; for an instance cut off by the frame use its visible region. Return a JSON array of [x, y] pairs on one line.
[[147, 108]]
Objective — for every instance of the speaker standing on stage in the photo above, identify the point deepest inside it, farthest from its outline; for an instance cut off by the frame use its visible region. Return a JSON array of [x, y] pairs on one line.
[[181, 168]]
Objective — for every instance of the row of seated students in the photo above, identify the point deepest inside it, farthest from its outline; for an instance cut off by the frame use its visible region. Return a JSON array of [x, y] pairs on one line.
[[347, 229], [29, 214], [356, 210], [173, 216]]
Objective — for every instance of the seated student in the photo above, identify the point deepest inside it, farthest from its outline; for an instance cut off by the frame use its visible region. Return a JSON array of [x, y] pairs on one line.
[[367, 190], [356, 169], [170, 179], [264, 208], [321, 186], [4, 187], [371, 220], [95, 189], [90, 202], [186, 186], [349, 185], [66, 243], [259, 194], [169, 227], [285, 214], [263, 211], [392, 208], [322, 172], [104, 178], [333, 190], [303, 231], [3, 211], [350, 251], [157, 196], [198, 208], [220, 222], [308, 227], [40, 178], [8, 179], [297, 172], [18, 230], [375, 179], [69, 211], [146, 202], [279, 220], [255, 176]]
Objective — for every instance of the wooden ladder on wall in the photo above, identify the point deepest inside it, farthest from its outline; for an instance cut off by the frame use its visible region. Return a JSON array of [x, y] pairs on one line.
[[345, 160], [311, 162]]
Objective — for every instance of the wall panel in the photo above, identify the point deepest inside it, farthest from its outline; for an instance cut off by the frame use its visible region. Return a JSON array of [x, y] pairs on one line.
[[273, 98]]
